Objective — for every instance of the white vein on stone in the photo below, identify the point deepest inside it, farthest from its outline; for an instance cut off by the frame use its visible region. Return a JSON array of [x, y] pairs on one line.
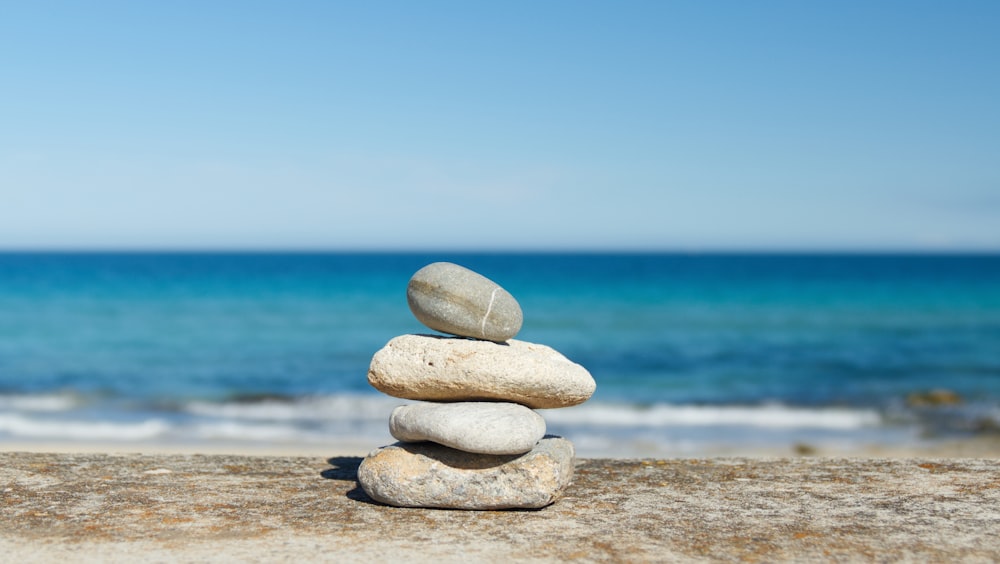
[[489, 308]]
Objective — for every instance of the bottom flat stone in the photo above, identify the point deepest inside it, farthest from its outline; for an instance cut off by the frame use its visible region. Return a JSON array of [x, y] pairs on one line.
[[432, 475]]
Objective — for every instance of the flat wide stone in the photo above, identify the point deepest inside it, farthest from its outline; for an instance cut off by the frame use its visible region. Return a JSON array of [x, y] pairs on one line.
[[453, 299], [434, 368], [435, 476], [480, 427]]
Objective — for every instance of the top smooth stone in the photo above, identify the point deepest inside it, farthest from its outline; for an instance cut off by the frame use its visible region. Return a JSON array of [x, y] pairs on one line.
[[453, 299]]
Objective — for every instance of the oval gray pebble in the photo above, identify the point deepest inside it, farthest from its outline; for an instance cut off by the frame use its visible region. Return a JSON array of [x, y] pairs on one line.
[[480, 427], [452, 299]]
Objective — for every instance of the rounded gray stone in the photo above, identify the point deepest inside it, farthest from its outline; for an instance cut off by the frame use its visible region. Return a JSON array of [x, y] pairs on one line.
[[436, 368], [432, 475], [480, 427], [452, 299]]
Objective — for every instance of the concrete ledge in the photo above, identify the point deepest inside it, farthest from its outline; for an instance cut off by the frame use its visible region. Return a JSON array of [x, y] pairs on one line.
[[89, 507]]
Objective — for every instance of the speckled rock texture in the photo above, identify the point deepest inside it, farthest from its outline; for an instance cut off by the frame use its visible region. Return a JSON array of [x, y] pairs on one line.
[[431, 475], [128, 508], [434, 368], [480, 427], [452, 299]]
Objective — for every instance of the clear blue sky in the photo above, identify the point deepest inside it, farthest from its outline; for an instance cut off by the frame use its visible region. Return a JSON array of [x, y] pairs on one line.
[[694, 125]]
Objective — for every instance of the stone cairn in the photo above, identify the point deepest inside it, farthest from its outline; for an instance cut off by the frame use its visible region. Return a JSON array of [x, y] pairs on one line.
[[475, 441]]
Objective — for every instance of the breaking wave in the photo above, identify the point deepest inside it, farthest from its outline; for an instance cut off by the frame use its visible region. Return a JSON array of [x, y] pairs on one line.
[[328, 418]]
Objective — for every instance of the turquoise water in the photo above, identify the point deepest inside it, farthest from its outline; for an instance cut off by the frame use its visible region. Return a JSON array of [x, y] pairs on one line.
[[685, 349]]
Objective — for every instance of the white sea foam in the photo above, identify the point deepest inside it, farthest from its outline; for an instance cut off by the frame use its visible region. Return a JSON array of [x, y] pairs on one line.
[[316, 408], [44, 402], [620, 428], [19, 426], [667, 415], [233, 431], [367, 408]]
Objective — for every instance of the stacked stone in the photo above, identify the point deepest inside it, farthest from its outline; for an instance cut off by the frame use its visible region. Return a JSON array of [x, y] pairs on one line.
[[475, 441]]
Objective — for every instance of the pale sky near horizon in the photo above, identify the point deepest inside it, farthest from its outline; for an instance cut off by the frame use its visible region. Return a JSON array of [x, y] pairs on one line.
[[640, 125]]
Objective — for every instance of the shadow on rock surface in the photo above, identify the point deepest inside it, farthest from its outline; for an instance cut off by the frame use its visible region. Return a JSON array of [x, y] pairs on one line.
[[346, 468]]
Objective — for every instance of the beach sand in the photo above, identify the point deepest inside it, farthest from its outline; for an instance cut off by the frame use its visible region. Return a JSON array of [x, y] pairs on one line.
[[340, 447], [981, 446]]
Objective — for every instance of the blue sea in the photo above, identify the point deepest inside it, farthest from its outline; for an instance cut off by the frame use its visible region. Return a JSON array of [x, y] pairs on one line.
[[691, 352]]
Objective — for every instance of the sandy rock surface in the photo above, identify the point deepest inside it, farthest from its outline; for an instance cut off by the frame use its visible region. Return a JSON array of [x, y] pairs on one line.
[[95, 507]]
